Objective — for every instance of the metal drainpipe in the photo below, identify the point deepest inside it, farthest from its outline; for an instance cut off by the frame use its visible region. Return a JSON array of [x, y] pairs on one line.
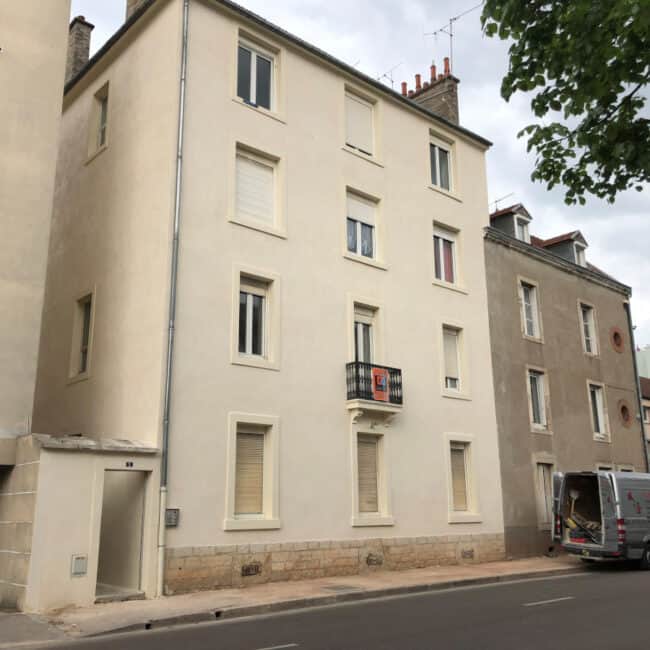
[[172, 304], [628, 311]]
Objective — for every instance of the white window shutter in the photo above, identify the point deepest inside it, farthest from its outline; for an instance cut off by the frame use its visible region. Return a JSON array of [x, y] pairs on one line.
[[249, 480], [458, 477], [358, 118], [367, 469], [360, 209], [255, 193], [450, 341]]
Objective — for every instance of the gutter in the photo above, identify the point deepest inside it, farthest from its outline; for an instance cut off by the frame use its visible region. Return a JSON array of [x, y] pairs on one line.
[[637, 383], [173, 282]]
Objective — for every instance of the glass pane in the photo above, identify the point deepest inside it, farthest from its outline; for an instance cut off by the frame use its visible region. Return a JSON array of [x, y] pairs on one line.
[[367, 343], [534, 396], [595, 411], [258, 325], [102, 121], [443, 162], [436, 258], [366, 240], [242, 321], [244, 73], [352, 235], [448, 254], [263, 89], [434, 165]]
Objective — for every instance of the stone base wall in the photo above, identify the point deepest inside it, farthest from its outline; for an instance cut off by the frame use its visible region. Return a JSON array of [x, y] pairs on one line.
[[17, 502], [214, 567]]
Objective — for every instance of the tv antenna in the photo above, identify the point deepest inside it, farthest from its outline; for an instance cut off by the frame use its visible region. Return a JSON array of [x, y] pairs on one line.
[[496, 202], [388, 75], [448, 30]]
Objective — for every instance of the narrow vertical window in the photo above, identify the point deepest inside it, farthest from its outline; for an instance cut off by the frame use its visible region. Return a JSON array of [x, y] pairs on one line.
[[521, 229], [451, 350], [544, 486], [82, 327], [581, 258], [360, 225], [98, 121], [86, 308], [249, 472], [103, 117], [588, 329], [252, 318], [359, 131], [440, 166], [367, 467], [444, 255], [646, 414], [537, 393], [529, 306], [254, 76], [458, 453], [597, 403], [255, 187]]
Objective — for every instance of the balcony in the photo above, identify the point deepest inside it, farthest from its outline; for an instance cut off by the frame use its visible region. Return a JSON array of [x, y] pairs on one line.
[[373, 388]]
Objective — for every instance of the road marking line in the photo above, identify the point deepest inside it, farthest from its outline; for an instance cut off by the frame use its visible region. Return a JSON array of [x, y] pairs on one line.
[[280, 647], [547, 602]]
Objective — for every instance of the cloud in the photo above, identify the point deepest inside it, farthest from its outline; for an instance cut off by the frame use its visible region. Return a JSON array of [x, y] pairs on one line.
[[379, 35]]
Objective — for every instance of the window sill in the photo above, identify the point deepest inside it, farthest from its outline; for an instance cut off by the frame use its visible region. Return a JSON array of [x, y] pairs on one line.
[[464, 518], [601, 438], [447, 193], [592, 355], [450, 286], [368, 261], [252, 362], [251, 524], [533, 339], [96, 153], [372, 520], [75, 379], [260, 227], [454, 394], [260, 110], [543, 430], [363, 156]]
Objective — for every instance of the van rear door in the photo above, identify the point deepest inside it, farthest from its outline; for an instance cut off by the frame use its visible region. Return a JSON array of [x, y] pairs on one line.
[[558, 488], [608, 511]]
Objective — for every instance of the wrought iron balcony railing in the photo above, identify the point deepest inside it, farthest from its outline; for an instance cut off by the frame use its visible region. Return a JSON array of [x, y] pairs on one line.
[[369, 381]]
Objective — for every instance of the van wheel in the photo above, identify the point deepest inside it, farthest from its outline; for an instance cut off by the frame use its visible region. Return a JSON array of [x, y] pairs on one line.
[[644, 562]]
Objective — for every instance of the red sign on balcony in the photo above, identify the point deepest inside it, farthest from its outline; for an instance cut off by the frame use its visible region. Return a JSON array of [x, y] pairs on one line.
[[380, 384]]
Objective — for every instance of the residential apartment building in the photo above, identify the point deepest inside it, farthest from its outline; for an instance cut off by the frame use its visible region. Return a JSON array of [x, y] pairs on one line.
[[329, 409], [32, 63], [565, 385]]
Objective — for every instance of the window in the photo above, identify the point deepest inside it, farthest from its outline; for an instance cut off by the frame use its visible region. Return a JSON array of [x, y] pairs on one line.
[[255, 187], [588, 329], [646, 414], [249, 478], [82, 337], [544, 478], [598, 418], [252, 477], [529, 310], [252, 318], [359, 124], [581, 259], [98, 138], [460, 500], [255, 76], [444, 255], [364, 319], [625, 468], [604, 467], [537, 396], [367, 463], [521, 229], [440, 166], [361, 238], [451, 349]]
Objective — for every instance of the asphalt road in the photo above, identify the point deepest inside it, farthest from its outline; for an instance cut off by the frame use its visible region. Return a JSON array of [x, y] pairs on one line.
[[605, 608]]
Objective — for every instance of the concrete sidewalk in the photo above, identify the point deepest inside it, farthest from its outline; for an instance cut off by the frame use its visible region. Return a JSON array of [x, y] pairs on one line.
[[20, 629], [270, 597]]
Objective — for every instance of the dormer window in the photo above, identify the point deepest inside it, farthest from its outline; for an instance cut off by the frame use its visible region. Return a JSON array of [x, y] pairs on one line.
[[581, 259], [521, 229]]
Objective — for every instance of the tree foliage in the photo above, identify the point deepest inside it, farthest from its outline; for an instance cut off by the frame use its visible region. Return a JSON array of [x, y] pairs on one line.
[[587, 63]]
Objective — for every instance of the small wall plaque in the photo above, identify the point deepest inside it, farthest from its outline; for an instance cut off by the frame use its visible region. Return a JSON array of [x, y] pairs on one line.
[[252, 569], [172, 515], [79, 566]]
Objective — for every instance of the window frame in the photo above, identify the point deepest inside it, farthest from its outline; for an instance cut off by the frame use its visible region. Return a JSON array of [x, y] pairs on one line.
[[538, 336], [253, 289], [270, 517], [544, 400], [543, 499], [645, 408], [438, 144], [603, 412], [580, 253], [526, 228], [98, 122], [269, 54], [377, 259], [444, 233], [464, 391], [473, 513], [370, 103], [257, 280], [358, 304], [75, 373], [595, 352]]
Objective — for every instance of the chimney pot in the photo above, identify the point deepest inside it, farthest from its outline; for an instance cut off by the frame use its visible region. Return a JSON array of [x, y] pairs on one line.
[[441, 76], [411, 93], [404, 88], [78, 46], [447, 68], [425, 84], [433, 73], [418, 82]]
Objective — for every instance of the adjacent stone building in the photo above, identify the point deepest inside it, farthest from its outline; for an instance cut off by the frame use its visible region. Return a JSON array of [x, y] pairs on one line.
[[565, 385]]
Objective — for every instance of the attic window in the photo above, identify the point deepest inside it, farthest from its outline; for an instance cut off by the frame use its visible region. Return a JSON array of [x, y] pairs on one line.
[[521, 229], [580, 255]]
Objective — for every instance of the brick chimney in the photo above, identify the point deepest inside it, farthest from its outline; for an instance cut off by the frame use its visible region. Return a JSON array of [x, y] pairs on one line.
[[132, 6], [78, 46], [439, 95]]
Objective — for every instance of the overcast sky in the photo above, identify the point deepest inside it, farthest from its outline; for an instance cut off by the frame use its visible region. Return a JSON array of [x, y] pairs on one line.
[[380, 35]]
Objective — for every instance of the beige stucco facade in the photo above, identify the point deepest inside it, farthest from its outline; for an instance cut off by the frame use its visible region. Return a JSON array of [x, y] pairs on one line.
[[567, 441], [111, 239], [31, 75]]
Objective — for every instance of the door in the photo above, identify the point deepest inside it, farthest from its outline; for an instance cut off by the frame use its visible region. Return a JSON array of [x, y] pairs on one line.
[[608, 510], [558, 487]]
